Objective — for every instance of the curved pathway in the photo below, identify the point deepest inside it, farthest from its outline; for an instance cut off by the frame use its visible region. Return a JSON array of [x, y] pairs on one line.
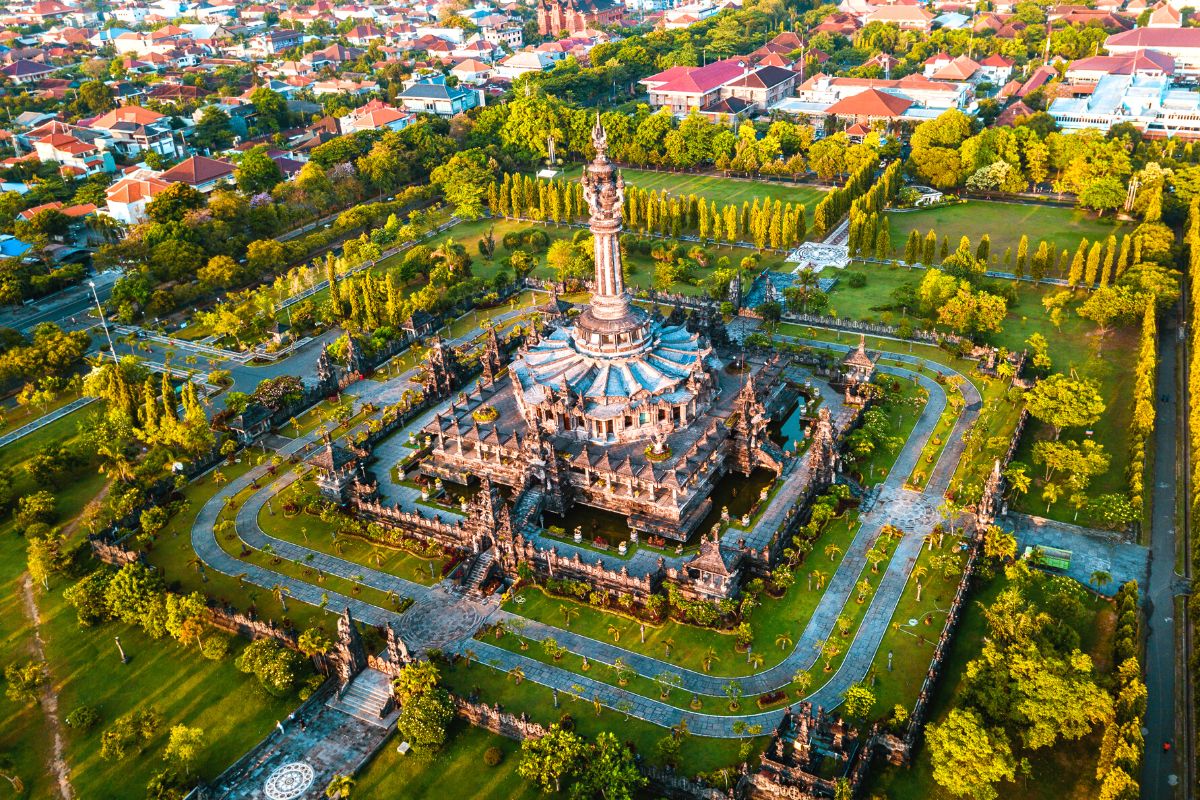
[[440, 618]]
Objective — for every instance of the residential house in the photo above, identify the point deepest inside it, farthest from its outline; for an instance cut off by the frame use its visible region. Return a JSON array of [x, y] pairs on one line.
[[127, 198], [522, 62], [135, 130], [432, 95], [201, 173], [23, 71], [75, 157], [375, 115], [275, 41], [472, 71]]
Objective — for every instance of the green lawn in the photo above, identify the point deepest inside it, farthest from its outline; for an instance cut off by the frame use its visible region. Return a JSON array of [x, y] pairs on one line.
[[1064, 772], [689, 644], [317, 534], [214, 696], [1004, 223], [492, 686], [457, 771], [723, 190], [25, 737]]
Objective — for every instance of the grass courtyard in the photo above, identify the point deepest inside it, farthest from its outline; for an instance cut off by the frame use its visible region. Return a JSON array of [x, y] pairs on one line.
[[722, 190], [1004, 223], [640, 267]]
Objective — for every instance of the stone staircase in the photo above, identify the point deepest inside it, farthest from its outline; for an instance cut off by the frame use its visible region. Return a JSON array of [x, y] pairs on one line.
[[479, 572], [368, 698]]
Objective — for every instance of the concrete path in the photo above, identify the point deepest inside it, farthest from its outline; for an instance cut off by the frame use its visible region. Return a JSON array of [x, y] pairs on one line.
[[44, 420], [444, 620]]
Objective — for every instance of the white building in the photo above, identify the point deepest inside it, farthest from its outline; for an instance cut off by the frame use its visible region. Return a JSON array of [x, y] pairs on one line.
[[1147, 101]]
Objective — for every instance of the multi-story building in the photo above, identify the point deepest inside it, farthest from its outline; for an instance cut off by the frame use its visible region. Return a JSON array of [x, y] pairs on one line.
[[1148, 101], [134, 130], [1182, 44], [432, 95], [556, 17]]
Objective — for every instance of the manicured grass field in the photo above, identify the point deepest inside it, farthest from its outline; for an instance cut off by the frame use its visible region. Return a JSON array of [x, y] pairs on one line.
[[641, 266], [25, 737], [1004, 223], [698, 754], [689, 644], [317, 534], [723, 190], [186, 688], [458, 771]]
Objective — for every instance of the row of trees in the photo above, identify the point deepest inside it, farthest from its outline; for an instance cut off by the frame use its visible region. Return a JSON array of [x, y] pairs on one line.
[[771, 224], [837, 202], [1120, 764], [1145, 395]]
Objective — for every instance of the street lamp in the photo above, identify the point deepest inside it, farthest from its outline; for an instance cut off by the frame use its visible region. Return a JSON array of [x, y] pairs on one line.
[[104, 322]]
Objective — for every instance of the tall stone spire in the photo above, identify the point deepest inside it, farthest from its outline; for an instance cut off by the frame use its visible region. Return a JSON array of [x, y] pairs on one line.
[[610, 323], [604, 191]]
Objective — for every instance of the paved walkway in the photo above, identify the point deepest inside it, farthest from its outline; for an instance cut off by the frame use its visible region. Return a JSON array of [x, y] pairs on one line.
[[44, 420], [442, 619]]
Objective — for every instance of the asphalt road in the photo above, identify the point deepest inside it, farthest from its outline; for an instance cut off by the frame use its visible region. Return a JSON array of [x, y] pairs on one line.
[[1162, 773], [60, 307]]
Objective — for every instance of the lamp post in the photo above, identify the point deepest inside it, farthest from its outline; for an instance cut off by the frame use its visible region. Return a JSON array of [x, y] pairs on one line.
[[107, 335], [121, 650]]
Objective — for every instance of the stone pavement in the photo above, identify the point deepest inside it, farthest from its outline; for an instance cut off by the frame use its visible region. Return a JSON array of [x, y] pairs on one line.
[[443, 619], [1091, 550], [303, 755]]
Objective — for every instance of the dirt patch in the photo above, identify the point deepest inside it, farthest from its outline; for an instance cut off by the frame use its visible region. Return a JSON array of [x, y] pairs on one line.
[[1106, 627], [49, 697]]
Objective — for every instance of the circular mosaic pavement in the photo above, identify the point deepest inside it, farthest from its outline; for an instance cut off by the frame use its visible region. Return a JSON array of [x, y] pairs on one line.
[[439, 623], [289, 781]]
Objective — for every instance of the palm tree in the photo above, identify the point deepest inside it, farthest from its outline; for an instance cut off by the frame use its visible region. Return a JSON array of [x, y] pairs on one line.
[[281, 593], [783, 641], [820, 577], [470, 655], [568, 613], [339, 787], [197, 564], [710, 655], [241, 579], [615, 633], [830, 650], [919, 572], [376, 557], [517, 674], [1100, 579], [754, 659], [668, 643], [844, 624], [833, 551], [1050, 494], [876, 556]]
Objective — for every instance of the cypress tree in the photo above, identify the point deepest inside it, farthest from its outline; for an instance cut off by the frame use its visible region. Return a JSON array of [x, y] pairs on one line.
[[1093, 265], [1022, 253], [984, 250], [912, 247], [930, 249], [945, 247]]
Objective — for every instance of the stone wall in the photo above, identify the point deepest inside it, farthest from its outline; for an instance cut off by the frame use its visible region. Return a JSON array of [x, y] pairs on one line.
[[253, 629], [114, 554]]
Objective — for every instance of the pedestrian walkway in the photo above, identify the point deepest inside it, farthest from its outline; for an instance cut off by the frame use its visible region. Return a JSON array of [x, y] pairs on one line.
[[448, 621], [44, 420]]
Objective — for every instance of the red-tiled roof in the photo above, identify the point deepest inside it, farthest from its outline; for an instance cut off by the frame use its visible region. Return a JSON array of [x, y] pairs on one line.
[[871, 103]]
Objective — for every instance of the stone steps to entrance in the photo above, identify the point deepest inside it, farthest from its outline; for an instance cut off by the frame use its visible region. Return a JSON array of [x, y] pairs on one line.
[[366, 698], [479, 571]]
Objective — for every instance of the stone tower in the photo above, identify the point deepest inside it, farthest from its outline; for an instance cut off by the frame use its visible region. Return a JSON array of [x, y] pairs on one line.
[[352, 656], [824, 455]]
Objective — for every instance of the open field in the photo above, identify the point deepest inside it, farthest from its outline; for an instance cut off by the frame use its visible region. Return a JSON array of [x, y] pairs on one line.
[[640, 267], [723, 190], [1004, 223]]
